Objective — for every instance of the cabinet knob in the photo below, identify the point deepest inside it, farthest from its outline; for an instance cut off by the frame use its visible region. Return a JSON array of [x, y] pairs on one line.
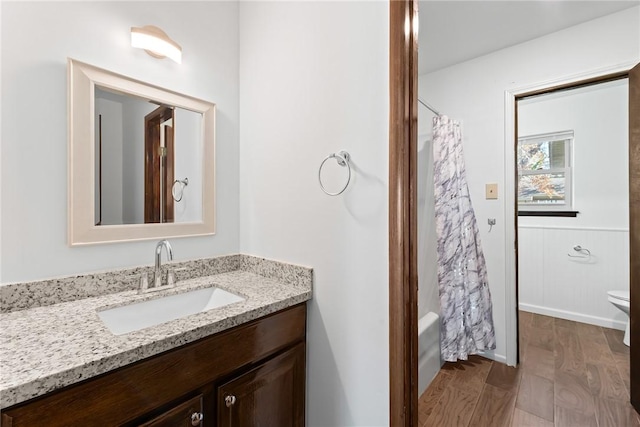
[[196, 418], [230, 401]]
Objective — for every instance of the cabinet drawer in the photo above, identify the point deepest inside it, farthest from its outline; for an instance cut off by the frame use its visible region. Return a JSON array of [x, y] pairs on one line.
[[186, 414]]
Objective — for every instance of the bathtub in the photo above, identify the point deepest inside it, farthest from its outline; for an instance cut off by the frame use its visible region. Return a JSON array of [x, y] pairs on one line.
[[428, 350]]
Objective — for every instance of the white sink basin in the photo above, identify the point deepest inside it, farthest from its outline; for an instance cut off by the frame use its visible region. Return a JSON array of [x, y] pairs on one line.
[[133, 317]]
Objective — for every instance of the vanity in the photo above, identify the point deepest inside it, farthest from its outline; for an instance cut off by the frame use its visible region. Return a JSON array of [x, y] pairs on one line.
[[223, 343], [241, 364]]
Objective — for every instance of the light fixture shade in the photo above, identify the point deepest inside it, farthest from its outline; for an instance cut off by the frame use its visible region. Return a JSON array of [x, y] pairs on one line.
[[156, 43]]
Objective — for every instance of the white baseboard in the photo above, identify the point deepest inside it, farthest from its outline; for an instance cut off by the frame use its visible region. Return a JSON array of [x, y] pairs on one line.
[[577, 317], [495, 357]]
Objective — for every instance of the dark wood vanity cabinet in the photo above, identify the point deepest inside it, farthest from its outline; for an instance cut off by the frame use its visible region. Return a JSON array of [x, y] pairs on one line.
[[251, 375]]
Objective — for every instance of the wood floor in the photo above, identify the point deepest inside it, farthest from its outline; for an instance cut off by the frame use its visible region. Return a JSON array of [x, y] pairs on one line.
[[571, 375]]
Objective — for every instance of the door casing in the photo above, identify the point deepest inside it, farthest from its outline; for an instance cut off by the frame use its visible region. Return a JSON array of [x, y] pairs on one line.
[[158, 166], [403, 225], [511, 232], [634, 231]]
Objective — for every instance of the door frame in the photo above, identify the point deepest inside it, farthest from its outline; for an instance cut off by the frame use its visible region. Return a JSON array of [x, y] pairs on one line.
[[511, 219], [158, 166], [403, 213], [634, 231]]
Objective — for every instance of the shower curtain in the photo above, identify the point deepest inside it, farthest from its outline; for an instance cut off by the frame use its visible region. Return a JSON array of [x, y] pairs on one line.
[[465, 300]]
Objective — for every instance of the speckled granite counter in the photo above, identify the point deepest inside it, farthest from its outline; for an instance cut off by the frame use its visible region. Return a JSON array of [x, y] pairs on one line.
[[44, 348]]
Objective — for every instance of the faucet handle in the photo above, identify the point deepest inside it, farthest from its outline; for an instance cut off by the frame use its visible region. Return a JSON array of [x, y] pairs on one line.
[[144, 282], [172, 276]]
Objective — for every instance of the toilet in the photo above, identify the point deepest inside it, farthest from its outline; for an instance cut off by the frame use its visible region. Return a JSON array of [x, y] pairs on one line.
[[621, 300]]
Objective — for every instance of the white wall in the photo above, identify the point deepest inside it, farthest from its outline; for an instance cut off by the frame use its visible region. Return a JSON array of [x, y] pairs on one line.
[[36, 39], [133, 155], [314, 80], [111, 161], [474, 92], [188, 164]]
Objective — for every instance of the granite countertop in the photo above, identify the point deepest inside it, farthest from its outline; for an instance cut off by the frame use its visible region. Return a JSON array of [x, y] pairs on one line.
[[44, 348]]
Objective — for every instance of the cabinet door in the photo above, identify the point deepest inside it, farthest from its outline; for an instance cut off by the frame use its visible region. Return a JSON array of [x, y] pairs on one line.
[[270, 395], [186, 414]]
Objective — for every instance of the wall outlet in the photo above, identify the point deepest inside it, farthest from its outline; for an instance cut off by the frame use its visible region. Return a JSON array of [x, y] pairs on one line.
[[491, 191]]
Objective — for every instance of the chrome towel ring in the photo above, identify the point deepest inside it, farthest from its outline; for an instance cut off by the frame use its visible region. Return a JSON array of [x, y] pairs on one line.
[[582, 252], [177, 195], [342, 158]]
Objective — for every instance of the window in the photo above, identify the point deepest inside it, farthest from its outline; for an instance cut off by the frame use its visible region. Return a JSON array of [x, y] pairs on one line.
[[544, 172]]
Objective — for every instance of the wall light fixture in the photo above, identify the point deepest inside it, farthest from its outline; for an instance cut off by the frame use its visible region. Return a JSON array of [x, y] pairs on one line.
[[156, 43]]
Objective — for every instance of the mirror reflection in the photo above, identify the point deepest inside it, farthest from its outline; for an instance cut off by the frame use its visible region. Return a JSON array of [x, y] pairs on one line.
[[148, 165]]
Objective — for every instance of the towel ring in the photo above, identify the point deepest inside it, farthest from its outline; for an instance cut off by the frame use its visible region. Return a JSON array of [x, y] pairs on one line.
[[183, 183], [342, 158], [581, 252]]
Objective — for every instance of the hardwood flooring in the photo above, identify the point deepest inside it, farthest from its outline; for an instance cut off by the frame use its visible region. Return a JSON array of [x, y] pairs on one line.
[[571, 375]]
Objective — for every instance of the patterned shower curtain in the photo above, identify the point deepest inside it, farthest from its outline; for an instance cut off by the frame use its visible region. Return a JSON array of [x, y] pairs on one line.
[[465, 301]]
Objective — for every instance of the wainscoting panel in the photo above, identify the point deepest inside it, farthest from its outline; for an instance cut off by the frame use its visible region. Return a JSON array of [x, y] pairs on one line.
[[531, 271], [555, 284]]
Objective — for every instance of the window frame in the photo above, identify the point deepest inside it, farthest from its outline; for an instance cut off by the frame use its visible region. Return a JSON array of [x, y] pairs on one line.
[[563, 207]]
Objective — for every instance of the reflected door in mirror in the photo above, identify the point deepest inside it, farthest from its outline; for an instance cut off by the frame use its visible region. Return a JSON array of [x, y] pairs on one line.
[[159, 165]]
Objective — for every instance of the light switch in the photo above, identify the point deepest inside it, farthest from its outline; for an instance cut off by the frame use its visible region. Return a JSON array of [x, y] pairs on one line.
[[492, 191]]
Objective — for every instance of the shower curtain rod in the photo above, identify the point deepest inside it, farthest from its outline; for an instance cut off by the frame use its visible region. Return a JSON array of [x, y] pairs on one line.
[[429, 107]]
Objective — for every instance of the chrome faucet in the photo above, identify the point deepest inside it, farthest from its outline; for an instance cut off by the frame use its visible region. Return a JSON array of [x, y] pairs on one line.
[[157, 276]]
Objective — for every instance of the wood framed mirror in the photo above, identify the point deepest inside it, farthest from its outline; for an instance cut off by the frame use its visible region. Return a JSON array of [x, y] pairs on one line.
[[141, 160]]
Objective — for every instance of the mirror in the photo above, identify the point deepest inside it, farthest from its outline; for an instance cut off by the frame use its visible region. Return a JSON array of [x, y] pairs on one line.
[[141, 159], [145, 154]]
